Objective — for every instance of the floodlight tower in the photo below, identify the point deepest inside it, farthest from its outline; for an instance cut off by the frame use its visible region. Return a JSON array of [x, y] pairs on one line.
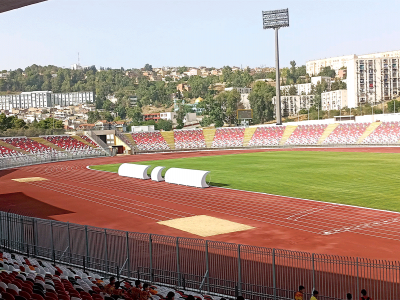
[[276, 19]]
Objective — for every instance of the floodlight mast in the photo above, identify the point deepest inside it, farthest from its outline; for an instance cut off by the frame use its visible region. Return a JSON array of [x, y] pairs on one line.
[[275, 19]]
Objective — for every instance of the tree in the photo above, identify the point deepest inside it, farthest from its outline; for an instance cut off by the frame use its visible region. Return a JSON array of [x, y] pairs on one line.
[[148, 67], [165, 125], [338, 85], [393, 106], [135, 114], [327, 71], [292, 90], [93, 116], [260, 100], [221, 109]]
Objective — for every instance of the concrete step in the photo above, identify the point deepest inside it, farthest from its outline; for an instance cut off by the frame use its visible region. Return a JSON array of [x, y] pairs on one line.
[[169, 138], [9, 146], [82, 140], [46, 143], [328, 130], [287, 133], [368, 131], [209, 136], [248, 134]]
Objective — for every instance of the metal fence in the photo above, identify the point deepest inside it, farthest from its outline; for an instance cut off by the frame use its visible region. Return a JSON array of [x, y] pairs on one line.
[[41, 158], [273, 147], [200, 265]]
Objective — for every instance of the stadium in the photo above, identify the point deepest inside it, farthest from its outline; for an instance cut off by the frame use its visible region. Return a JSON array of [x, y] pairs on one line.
[[262, 227], [311, 203]]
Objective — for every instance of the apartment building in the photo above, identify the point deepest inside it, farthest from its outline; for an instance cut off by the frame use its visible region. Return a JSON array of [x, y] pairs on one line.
[[313, 67], [334, 100], [291, 105], [373, 80], [305, 88], [44, 99]]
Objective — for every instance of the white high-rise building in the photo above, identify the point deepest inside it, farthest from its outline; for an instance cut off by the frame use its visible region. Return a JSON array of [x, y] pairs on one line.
[[313, 67], [44, 99], [334, 100], [291, 105], [373, 80]]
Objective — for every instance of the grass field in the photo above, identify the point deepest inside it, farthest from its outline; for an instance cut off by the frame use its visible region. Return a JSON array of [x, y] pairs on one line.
[[362, 179]]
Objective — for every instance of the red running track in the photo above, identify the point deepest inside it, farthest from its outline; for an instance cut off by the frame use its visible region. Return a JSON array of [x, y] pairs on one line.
[[76, 194]]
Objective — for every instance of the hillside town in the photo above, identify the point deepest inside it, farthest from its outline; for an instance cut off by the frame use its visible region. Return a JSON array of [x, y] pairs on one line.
[[186, 97]]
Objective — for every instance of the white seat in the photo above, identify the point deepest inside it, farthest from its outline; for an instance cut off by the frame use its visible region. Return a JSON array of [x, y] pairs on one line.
[[13, 287], [49, 287], [3, 285]]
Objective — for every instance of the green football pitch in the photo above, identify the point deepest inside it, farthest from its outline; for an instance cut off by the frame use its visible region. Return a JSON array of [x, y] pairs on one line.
[[362, 179]]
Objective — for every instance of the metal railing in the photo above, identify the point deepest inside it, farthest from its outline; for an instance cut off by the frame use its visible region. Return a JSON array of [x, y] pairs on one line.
[[124, 139], [41, 158], [200, 265], [273, 147], [99, 142]]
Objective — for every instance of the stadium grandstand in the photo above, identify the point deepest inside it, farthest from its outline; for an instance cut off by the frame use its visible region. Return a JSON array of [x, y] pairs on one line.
[[386, 133], [37, 262]]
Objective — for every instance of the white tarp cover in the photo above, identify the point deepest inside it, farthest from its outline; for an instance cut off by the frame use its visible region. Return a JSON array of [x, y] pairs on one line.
[[133, 171], [156, 174], [196, 178]]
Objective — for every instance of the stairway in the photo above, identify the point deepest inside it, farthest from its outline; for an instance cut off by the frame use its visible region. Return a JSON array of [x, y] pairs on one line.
[[248, 134], [83, 141], [9, 146], [368, 131], [169, 138], [46, 143], [209, 136], [129, 137], [328, 130], [287, 133]]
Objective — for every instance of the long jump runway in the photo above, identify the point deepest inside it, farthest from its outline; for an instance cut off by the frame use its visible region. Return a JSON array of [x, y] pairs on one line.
[[73, 193]]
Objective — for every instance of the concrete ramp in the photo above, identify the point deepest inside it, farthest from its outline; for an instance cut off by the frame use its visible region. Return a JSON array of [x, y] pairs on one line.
[[169, 138], [287, 133], [9, 146], [368, 131], [248, 134], [78, 138], [327, 132], [209, 136], [46, 143]]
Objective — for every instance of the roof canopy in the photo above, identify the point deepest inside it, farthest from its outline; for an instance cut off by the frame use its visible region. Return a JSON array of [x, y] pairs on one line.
[[6, 5]]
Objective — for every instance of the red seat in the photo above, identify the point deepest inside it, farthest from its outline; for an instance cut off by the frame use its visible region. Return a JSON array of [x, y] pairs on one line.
[[65, 297], [24, 294], [37, 297], [11, 291], [7, 296]]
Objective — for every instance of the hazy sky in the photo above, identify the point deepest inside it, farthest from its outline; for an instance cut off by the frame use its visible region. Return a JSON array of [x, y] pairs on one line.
[[131, 33]]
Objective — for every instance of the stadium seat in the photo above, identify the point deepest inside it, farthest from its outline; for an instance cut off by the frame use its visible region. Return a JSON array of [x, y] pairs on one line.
[[347, 133], [385, 133], [228, 137], [306, 134], [189, 139], [267, 136], [150, 141]]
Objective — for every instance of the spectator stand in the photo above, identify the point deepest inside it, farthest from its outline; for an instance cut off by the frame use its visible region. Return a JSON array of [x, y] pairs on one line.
[[29, 145], [228, 137], [150, 141], [189, 139], [267, 136], [306, 134], [385, 133], [347, 133]]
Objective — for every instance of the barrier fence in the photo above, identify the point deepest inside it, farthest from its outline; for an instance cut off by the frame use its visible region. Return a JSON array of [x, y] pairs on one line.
[[34, 159], [200, 265]]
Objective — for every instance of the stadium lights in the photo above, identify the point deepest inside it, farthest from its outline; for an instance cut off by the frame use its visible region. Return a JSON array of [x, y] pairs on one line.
[[275, 19]]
